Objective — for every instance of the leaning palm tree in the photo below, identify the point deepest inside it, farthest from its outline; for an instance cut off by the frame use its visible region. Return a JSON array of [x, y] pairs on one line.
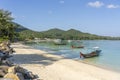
[[6, 26]]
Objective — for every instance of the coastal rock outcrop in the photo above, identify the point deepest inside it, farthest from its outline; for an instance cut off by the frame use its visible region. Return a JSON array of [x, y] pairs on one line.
[[7, 68]]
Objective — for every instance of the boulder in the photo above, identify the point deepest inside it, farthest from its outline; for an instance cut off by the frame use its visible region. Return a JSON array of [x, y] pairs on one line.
[[8, 62], [4, 68], [12, 70], [29, 75], [5, 79], [20, 76], [20, 69], [2, 73], [13, 76]]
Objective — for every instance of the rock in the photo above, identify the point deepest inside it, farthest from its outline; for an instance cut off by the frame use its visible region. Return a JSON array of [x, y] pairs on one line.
[[20, 69], [15, 72], [2, 73], [8, 63], [5, 48], [29, 75], [5, 79], [12, 70], [20, 76], [12, 76], [24, 72], [4, 68]]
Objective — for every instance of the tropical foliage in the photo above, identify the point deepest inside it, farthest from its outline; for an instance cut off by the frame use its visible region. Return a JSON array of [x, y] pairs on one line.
[[7, 29]]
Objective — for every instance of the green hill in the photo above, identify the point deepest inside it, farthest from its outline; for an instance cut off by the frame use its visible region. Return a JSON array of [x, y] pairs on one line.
[[54, 33], [70, 34], [25, 33], [19, 27], [59, 34]]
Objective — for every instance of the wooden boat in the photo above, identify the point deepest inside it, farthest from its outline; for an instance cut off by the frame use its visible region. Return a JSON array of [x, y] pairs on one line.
[[89, 55], [60, 43], [77, 46]]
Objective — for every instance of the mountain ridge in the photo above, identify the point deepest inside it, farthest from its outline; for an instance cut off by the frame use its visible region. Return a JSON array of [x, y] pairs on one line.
[[59, 33]]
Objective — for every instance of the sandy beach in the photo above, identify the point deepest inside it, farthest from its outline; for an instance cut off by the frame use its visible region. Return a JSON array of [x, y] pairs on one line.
[[53, 67]]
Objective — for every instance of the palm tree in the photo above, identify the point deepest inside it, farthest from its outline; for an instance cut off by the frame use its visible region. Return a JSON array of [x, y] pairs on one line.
[[7, 28]]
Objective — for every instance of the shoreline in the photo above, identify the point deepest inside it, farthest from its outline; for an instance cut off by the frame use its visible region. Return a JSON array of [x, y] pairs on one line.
[[82, 61], [47, 63], [99, 66]]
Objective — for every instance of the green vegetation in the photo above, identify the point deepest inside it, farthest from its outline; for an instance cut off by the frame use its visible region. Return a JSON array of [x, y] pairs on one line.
[[55, 33], [7, 29], [71, 34]]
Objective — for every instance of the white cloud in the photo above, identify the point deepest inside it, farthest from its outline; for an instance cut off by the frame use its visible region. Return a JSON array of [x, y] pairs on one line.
[[61, 2], [96, 4], [112, 6]]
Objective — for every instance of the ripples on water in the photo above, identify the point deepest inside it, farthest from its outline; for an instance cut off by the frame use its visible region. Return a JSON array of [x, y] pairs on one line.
[[109, 57]]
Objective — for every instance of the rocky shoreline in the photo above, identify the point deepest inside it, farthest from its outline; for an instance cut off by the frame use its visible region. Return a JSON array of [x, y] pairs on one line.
[[9, 70]]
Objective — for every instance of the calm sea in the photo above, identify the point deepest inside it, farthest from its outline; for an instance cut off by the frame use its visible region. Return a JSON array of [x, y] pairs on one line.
[[109, 57]]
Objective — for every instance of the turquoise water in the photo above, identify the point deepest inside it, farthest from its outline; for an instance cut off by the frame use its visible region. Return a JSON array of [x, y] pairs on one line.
[[109, 57]]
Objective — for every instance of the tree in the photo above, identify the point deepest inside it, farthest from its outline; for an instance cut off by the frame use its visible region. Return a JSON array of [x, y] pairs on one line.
[[7, 29]]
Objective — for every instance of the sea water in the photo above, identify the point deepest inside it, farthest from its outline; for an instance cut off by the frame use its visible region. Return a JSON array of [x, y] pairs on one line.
[[109, 57]]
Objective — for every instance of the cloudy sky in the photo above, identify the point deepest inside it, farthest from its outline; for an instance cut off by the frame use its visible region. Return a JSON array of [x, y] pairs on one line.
[[100, 17]]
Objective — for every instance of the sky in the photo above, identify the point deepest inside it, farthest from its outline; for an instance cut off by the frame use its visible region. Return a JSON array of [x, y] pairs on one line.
[[101, 17]]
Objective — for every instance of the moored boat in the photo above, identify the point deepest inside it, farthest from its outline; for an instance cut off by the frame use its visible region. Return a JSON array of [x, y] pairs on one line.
[[77, 46], [60, 43], [89, 55]]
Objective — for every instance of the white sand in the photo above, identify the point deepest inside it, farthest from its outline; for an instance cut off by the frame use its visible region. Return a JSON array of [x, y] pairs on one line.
[[52, 67]]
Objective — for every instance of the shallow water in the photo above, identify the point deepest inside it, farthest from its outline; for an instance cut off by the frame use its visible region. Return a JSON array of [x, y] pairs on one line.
[[109, 57]]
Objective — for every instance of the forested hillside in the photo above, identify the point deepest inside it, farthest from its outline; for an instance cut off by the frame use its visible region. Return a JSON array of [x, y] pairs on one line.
[[61, 34]]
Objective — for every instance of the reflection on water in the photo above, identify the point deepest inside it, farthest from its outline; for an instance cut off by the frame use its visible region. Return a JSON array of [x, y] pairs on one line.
[[109, 57]]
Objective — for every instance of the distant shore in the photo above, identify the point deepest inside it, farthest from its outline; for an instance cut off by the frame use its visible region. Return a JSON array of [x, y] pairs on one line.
[[53, 67]]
